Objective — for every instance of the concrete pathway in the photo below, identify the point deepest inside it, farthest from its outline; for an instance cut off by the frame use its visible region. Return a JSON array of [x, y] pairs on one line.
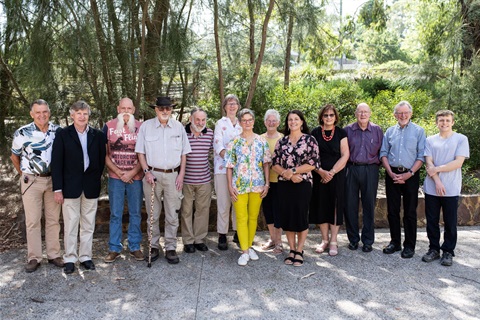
[[352, 285]]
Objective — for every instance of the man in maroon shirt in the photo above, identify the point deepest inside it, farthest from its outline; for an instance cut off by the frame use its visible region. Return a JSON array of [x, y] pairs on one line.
[[364, 141]]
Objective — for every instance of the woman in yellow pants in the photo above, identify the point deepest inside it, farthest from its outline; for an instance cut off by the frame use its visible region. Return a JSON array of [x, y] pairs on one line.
[[247, 161]]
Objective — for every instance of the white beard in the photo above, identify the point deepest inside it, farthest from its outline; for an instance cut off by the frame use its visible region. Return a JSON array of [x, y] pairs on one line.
[[197, 129], [121, 123]]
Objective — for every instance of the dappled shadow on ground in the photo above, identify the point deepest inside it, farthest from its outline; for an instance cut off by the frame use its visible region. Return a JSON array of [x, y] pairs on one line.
[[353, 285]]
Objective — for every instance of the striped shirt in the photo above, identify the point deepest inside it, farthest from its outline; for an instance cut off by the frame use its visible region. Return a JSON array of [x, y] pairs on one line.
[[197, 170]]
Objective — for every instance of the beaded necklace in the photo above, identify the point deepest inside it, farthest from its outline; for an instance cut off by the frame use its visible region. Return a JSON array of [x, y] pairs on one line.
[[324, 136]]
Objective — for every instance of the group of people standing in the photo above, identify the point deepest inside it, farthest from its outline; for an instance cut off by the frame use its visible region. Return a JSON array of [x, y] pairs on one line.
[[299, 177]]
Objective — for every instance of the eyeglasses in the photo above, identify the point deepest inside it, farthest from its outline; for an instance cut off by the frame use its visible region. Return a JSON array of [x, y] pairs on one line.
[[363, 112], [247, 120], [330, 115], [232, 104], [271, 121], [166, 108], [402, 113]]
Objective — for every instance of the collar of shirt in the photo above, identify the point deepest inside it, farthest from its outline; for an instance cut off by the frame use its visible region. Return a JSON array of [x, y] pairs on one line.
[[158, 124], [84, 132], [406, 126], [356, 126]]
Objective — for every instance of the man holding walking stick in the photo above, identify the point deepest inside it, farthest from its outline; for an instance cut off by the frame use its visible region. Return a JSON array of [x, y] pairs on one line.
[[162, 146]]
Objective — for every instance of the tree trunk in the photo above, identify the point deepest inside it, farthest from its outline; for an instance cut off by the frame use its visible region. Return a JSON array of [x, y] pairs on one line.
[[221, 89], [251, 16], [253, 83], [471, 33], [120, 51], [288, 50], [153, 46], [104, 60], [141, 68]]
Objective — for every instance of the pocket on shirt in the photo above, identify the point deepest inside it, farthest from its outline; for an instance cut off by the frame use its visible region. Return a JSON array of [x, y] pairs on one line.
[[177, 142], [151, 138]]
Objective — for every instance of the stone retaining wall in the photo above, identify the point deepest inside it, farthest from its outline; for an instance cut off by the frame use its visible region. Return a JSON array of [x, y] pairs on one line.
[[468, 214]]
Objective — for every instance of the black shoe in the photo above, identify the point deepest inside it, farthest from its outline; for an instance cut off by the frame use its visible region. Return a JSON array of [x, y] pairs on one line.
[[155, 254], [353, 245], [222, 242], [447, 259], [407, 253], [367, 248], [88, 265], [235, 238], [189, 248], [391, 248], [431, 255], [69, 267], [172, 257], [201, 247]]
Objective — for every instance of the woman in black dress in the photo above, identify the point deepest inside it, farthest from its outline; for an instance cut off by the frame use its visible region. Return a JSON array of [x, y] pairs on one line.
[[327, 202]]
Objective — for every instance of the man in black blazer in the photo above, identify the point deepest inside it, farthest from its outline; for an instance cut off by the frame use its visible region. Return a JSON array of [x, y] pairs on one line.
[[78, 159]]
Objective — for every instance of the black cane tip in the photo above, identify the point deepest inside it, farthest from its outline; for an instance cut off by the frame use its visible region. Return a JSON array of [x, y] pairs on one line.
[[149, 265]]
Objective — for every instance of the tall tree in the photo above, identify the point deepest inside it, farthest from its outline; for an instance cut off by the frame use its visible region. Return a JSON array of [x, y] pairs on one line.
[[256, 73]]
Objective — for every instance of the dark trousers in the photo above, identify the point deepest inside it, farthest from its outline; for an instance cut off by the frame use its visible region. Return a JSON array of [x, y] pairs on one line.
[[409, 191], [361, 180], [449, 206]]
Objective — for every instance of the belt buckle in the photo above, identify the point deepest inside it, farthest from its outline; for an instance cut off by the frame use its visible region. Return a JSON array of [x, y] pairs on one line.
[[402, 169]]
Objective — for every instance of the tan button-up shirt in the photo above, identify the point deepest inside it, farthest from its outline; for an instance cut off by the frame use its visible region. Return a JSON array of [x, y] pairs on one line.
[[162, 146]]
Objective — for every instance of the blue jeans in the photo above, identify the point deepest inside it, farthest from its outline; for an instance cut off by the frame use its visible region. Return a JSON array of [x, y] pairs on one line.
[[116, 193]]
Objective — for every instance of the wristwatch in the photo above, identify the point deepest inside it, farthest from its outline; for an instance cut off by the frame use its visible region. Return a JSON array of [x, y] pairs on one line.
[[410, 170], [294, 170], [146, 170]]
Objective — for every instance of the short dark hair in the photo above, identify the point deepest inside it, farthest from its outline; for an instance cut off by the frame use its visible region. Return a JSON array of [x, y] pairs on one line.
[[304, 128], [39, 102], [324, 109]]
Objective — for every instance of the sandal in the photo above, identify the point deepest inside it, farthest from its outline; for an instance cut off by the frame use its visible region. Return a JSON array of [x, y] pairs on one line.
[[269, 245], [298, 262], [278, 249], [290, 260], [321, 247], [333, 249]]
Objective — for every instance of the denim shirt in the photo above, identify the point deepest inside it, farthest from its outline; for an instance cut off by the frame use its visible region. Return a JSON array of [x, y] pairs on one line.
[[404, 146]]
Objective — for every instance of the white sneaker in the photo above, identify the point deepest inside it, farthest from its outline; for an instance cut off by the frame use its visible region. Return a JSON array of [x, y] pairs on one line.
[[243, 260], [252, 254]]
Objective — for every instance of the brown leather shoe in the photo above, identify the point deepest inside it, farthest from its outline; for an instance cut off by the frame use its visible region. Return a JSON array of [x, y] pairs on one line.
[[138, 255], [57, 262], [172, 257], [31, 266], [111, 257]]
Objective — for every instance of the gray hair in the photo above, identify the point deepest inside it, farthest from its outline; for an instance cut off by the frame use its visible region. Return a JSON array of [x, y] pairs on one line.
[[272, 112], [80, 105], [197, 109], [228, 98], [39, 102], [243, 112], [401, 104]]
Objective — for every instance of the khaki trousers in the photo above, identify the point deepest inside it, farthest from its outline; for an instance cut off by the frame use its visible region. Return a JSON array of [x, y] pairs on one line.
[[224, 203], [40, 196], [80, 211], [195, 225], [172, 199]]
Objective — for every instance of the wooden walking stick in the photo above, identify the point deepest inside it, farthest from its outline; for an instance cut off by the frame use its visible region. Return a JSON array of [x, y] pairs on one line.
[[150, 230]]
